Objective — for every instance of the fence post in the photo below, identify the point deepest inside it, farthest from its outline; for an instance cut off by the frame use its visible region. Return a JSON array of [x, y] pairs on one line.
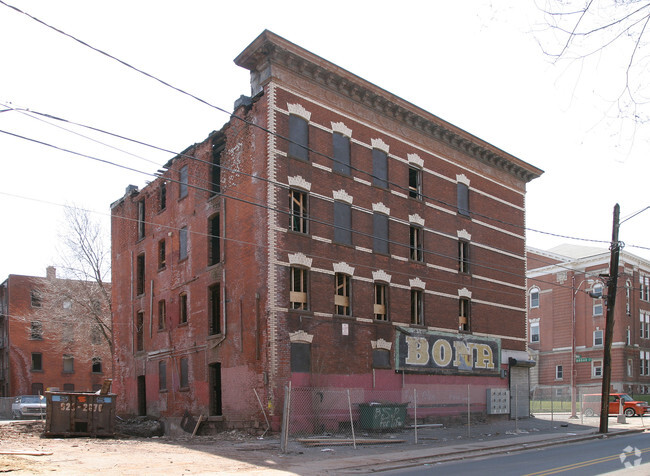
[[469, 420], [415, 413], [268, 426], [354, 441], [516, 410], [284, 440]]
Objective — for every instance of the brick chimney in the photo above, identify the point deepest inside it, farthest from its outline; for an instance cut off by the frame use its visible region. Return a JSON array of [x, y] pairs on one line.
[[50, 272]]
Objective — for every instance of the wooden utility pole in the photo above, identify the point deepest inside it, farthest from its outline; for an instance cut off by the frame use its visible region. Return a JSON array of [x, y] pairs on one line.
[[615, 249]]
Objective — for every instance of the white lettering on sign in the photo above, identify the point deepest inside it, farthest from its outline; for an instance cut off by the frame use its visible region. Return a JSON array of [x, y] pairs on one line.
[[418, 351]]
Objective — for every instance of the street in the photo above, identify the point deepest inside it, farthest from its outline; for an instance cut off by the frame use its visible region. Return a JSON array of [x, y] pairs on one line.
[[630, 454]]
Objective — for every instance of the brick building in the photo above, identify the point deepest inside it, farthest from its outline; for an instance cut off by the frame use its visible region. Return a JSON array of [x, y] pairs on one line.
[[567, 325], [330, 234], [39, 348]]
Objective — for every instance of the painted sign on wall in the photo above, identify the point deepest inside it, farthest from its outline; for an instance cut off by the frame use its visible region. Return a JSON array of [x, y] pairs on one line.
[[445, 353]]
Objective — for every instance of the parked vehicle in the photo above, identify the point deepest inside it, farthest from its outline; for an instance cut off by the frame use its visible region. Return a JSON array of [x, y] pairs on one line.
[[28, 406], [631, 407]]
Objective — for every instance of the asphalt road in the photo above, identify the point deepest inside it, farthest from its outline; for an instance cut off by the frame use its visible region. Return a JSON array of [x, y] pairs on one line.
[[627, 454]]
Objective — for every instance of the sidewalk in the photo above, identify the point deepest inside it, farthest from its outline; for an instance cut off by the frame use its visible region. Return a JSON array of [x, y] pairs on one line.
[[445, 444]]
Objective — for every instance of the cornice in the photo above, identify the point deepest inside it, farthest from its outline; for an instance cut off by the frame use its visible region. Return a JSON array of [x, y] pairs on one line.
[[269, 49]]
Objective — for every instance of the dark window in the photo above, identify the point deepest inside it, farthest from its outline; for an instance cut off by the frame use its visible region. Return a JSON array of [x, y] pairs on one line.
[[162, 375], [183, 182], [380, 233], [341, 145], [182, 240], [68, 387], [415, 182], [298, 288], [215, 309], [37, 361], [215, 169], [381, 306], [141, 219], [139, 331], [162, 314], [464, 315], [462, 192], [36, 298], [37, 389], [379, 168], [162, 254], [298, 211], [214, 240], [139, 288], [417, 316], [300, 357], [97, 365], [416, 243], [68, 364], [463, 257], [36, 330], [163, 195], [381, 359], [185, 373], [298, 137], [342, 294], [342, 223], [183, 308]]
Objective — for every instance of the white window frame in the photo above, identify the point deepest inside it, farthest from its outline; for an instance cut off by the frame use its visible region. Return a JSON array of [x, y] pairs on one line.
[[602, 337], [596, 369], [559, 372], [530, 298], [534, 325]]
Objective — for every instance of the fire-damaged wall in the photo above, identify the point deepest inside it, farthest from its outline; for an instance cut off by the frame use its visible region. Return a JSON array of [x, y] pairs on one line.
[[330, 234]]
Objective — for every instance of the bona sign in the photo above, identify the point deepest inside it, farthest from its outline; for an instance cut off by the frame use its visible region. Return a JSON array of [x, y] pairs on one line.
[[442, 353]]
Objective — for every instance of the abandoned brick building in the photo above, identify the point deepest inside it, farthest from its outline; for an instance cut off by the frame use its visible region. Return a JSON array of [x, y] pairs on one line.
[[329, 235], [43, 346]]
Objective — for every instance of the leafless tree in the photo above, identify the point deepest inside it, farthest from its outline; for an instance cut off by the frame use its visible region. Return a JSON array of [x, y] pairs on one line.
[[614, 35], [78, 302]]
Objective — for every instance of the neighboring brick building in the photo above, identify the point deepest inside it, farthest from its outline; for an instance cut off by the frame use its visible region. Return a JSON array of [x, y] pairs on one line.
[[40, 352], [330, 234], [567, 325]]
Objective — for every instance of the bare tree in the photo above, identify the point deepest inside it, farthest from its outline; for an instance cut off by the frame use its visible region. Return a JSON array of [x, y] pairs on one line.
[[78, 303], [612, 33]]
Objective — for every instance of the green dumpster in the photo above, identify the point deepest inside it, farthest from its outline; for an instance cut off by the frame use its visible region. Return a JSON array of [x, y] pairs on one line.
[[382, 416]]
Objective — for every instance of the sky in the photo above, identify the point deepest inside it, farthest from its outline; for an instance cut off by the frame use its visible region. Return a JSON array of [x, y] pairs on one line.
[[477, 64]]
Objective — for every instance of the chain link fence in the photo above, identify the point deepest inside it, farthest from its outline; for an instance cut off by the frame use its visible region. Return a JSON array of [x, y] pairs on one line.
[[559, 399]]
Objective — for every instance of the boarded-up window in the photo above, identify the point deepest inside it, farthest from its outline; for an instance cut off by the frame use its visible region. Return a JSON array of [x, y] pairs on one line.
[[342, 294], [300, 357], [182, 239], [183, 181], [417, 315], [462, 192], [298, 137], [185, 373], [298, 288], [381, 359], [464, 315], [380, 233], [215, 169], [214, 301], [298, 208], [68, 364], [416, 243], [381, 302], [341, 147], [379, 168], [463, 257], [342, 223]]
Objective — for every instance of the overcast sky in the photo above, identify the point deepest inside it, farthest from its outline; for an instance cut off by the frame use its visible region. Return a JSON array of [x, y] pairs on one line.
[[476, 64]]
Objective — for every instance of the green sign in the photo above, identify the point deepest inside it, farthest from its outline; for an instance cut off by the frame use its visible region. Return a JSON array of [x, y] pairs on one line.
[[583, 359]]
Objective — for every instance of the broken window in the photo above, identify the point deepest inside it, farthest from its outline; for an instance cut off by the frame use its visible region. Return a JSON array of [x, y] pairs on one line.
[[184, 373], [215, 168], [183, 181], [342, 223], [36, 331], [462, 192], [140, 275], [97, 365], [415, 183], [342, 294], [417, 315], [379, 168], [139, 331], [68, 363], [463, 256], [37, 361], [214, 297], [162, 375], [214, 240], [298, 288], [463, 315], [162, 196], [416, 243], [35, 296], [183, 308], [298, 137], [162, 254], [162, 314], [182, 239], [341, 155], [380, 307], [298, 211], [380, 233], [141, 219]]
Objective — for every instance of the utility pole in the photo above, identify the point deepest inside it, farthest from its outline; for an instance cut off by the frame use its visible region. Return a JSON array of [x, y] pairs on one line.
[[615, 249]]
